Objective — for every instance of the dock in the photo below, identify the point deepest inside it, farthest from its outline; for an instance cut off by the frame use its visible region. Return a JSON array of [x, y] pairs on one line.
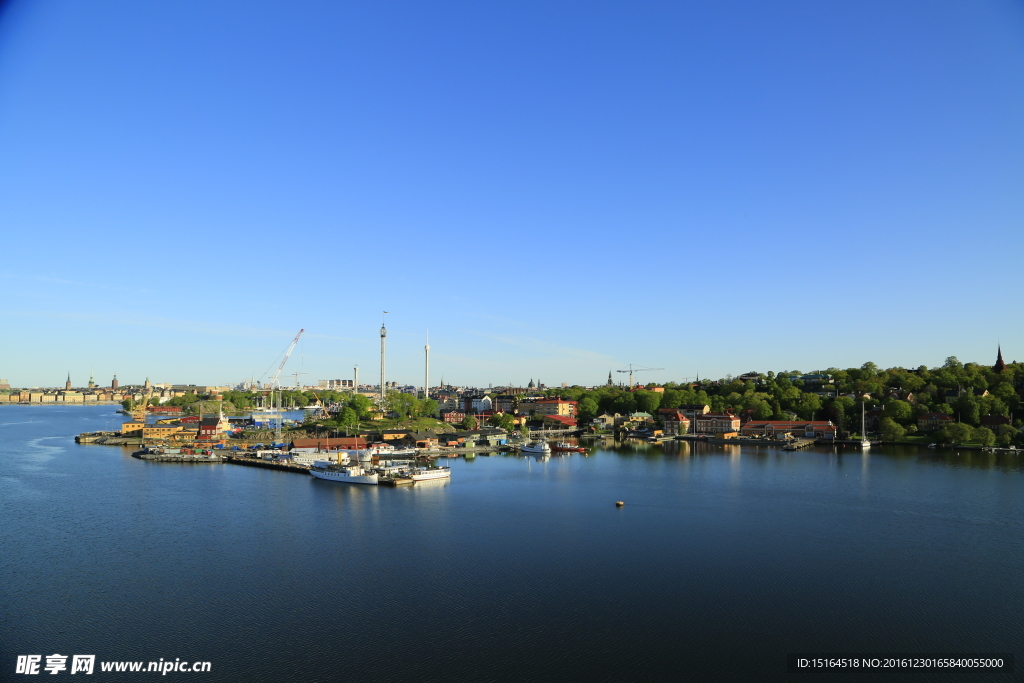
[[798, 444]]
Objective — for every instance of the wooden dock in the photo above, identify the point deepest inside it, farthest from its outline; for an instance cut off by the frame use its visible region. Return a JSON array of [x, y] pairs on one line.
[[798, 444]]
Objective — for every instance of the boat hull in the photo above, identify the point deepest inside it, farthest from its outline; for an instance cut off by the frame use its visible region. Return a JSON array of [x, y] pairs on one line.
[[426, 474], [345, 477]]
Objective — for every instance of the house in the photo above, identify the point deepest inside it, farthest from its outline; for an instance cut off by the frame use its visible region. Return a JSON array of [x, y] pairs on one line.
[[994, 420], [559, 422], [692, 410], [213, 428], [780, 429], [675, 423], [453, 416], [873, 419], [930, 422], [715, 423], [605, 421]]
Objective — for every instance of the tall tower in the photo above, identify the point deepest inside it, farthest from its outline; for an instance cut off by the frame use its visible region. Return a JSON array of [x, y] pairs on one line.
[[114, 384], [355, 379], [383, 358], [92, 384], [426, 369], [1000, 365], [67, 385]]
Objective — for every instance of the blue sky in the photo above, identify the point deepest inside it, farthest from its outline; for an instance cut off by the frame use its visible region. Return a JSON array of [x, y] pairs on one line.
[[555, 190]]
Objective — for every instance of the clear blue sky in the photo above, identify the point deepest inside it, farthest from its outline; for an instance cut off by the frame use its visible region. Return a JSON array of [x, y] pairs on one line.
[[554, 189]]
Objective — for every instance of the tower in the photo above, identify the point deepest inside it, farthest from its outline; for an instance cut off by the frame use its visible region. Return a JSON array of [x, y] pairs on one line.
[[609, 378], [1000, 365], [92, 384], [148, 385], [355, 379], [114, 384], [383, 358], [426, 369], [67, 385]]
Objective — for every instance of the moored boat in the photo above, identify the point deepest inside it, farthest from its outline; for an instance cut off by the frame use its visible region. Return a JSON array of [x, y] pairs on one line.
[[344, 473], [425, 473], [564, 447], [540, 447]]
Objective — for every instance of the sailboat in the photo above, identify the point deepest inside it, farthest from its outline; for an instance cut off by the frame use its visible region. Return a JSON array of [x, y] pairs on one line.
[[864, 443]]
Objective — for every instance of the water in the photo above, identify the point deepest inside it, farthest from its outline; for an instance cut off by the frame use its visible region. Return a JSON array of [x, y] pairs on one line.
[[721, 562]]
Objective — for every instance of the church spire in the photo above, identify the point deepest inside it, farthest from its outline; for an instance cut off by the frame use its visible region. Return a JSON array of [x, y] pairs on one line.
[[1000, 365]]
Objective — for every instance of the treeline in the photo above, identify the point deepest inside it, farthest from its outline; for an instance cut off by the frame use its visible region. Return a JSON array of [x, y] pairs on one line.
[[904, 395]]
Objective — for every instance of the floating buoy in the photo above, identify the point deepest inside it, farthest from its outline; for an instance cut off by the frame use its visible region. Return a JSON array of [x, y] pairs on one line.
[[619, 503]]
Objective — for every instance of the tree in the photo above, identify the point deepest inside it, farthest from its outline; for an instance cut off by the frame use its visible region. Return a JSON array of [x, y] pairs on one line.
[[347, 417], [985, 435], [762, 411], [588, 408], [470, 423], [892, 430], [1006, 434], [956, 433], [898, 410], [648, 401], [361, 405]]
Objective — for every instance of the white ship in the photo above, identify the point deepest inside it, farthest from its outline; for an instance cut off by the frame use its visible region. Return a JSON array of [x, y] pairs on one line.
[[540, 447], [425, 473], [343, 472]]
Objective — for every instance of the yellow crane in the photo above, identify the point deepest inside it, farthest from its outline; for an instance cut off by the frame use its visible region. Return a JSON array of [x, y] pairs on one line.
[[636, 368]]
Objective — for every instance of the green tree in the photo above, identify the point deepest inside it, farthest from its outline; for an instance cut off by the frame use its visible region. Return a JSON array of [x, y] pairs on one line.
[[898, 410], [347, 417], [956, 433], [648, 401], [892, 430], [470, 423], [588, 408], [361, 405], [762, 411], [1006, 434], [985, 436]]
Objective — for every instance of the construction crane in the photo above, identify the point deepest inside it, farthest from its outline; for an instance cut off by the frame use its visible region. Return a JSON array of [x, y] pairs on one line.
[[291, 347], [637, 368]]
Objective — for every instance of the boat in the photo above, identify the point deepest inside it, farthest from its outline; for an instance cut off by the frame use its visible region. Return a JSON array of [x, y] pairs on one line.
[[425, 473], [343, 472], [864, 443], [565, 447], [386, 450], [540, 447]]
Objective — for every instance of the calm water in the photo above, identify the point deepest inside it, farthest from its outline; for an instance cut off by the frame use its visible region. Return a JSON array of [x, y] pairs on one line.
[[721, 562]]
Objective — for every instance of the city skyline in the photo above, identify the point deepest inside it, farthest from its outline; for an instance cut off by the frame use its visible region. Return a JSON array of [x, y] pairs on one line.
[[554, 191]]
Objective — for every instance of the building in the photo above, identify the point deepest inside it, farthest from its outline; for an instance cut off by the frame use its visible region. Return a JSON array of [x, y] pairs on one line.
[[675, 423], [692, 410], [453, 416], [715, 423], [549, 406], [931, 422], [780, 429]]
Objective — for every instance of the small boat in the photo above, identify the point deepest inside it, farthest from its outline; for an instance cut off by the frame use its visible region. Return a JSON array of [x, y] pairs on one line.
[[540, 447], [425, 473], [564, 447]]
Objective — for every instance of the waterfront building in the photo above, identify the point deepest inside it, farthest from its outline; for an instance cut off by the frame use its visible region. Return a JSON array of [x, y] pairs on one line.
[[675, 423], [777, 429], [715, 423], [930, 422], [692, 410]]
